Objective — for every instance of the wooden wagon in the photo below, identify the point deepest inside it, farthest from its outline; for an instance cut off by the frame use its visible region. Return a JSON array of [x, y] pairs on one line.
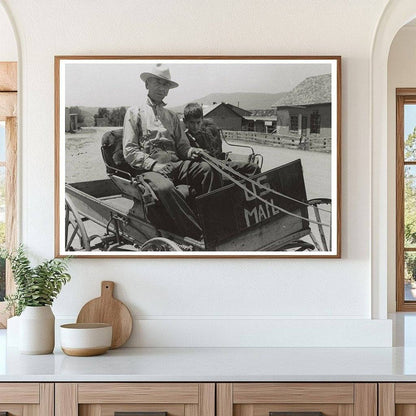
[[269, 212]]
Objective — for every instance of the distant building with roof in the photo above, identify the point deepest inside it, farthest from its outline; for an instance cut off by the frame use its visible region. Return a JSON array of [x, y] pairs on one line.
[[227, 116], [262, 121], [306, 110], [71, 121]]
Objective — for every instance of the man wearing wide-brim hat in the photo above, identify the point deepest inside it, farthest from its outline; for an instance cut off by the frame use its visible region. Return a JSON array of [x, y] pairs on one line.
[[155, 144], [159, 71]]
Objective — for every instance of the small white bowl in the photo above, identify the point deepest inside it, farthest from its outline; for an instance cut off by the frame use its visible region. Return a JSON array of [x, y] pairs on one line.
[[83, 340]]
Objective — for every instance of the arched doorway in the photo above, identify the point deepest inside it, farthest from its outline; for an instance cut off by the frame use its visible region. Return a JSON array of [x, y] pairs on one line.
[[401, 101], [396, 14]]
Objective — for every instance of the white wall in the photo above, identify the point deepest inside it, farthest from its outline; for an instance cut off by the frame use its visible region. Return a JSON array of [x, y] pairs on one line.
[[179, 302], [401, 74], [8, 47]]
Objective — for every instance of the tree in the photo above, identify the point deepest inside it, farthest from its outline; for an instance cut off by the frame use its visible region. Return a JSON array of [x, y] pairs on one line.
[[410, 204], [2, 279], [77, 110], [102, 112], [410, 146], [116, 117], [410, 208], [3, 204], [410, 190]]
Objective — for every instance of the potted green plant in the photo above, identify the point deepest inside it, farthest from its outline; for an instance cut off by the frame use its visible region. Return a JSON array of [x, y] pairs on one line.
[[36, 289]]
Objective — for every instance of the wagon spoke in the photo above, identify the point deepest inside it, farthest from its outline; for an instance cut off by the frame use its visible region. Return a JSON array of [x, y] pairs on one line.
[[72, 217], [74, 233]]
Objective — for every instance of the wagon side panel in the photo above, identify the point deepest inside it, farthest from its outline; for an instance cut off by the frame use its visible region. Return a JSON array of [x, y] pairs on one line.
[[108, 209], [235, 220]]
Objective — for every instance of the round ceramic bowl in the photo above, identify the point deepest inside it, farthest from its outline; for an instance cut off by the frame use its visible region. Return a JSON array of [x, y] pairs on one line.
[[83, 340]]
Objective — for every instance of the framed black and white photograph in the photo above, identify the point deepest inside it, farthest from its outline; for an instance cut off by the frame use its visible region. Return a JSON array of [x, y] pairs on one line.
[[197, 156]]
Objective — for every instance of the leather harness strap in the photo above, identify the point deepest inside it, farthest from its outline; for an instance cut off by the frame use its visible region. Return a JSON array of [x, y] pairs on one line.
[[257, 184], [222, 170]]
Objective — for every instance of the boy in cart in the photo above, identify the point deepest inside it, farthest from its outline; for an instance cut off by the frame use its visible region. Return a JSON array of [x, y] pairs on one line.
[[200, 138]]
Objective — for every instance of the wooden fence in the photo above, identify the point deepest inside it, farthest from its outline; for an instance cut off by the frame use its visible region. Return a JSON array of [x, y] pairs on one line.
[[317, 144]]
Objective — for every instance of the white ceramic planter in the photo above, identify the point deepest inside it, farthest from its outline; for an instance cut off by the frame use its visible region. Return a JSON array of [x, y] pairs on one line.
[[37, 330], [13, 331]]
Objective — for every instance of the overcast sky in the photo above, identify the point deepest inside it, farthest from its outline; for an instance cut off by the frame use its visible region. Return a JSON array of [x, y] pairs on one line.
[[114, 84]]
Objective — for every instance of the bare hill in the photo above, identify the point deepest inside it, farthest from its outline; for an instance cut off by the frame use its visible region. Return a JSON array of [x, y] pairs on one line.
[[246, 100]]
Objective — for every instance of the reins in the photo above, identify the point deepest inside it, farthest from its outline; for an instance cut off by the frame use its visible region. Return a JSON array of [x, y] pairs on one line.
[[221, 168], [257, 184]]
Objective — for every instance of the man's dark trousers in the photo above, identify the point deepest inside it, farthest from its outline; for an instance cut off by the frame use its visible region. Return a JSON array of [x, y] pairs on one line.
[[178, 217]]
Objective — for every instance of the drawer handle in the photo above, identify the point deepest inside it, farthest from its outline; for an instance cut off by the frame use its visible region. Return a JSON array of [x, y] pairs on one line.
[[138, 414], [296, 414]]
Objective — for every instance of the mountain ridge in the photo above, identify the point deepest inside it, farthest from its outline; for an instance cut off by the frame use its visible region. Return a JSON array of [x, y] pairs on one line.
[[246, 100]]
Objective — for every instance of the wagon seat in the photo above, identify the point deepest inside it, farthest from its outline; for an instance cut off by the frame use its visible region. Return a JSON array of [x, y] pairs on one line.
[[112, 152]]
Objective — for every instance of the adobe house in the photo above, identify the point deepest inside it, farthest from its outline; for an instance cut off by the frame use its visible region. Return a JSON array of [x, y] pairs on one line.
[[306, 110], [262, 121], [227, 116], [71, 121]]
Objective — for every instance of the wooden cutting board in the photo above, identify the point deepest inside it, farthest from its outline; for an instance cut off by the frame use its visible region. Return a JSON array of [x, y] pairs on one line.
[[107, 309]]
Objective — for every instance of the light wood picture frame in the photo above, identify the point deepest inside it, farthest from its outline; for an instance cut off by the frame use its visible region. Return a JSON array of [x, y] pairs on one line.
[[198, 156]]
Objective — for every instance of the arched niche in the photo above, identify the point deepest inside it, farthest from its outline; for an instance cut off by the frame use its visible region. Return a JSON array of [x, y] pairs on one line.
[[396, 15], [401, 73], [8, 43]]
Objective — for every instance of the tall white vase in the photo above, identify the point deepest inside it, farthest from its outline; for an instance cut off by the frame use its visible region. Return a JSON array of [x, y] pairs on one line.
[[13, 331], [37, 330]]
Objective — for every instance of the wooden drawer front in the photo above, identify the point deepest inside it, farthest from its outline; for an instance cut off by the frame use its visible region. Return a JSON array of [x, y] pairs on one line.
[[110, 409], [104, 399], [19, 393], [12, 409], [405, 393], [138, 393], [331, 399], [397, 399], [293, 393], [27, 399], [265, 409]]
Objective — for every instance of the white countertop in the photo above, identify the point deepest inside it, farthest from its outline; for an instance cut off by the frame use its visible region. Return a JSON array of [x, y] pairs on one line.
[[213, 364]]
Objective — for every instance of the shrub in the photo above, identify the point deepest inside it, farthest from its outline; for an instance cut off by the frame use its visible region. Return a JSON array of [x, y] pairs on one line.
[[35, 286]]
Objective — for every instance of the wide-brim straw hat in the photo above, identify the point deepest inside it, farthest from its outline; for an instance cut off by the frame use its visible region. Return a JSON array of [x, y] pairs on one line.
[[159, 71]]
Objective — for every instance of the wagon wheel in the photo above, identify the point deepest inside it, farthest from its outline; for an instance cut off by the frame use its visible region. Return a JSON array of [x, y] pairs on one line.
[[74, 227], [160, 244], [315, 203]]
